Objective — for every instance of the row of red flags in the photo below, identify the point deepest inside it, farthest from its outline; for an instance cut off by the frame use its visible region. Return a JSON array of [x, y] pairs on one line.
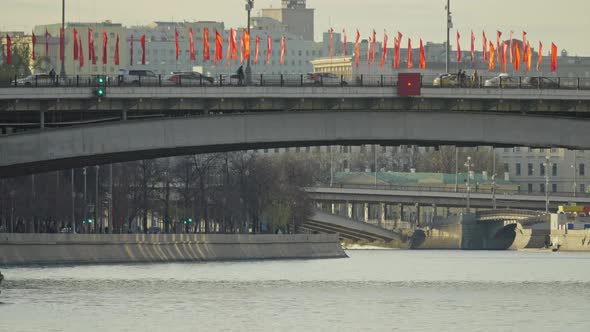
[[495, 54], [492, 55], [232, 47]]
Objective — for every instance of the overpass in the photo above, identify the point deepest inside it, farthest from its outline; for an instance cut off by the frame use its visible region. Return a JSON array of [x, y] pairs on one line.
[[47, 150], [478, 200], [347, 229]]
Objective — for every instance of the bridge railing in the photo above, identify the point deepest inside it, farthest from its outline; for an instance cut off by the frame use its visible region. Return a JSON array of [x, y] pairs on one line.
[[461, 189], [307, 80]]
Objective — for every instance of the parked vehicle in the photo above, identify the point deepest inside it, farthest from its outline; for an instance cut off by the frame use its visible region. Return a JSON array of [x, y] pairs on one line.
[[323, 79], [446, 81], [501, 81], [539, 82], [137, 77], [189, 78], [39, 79]]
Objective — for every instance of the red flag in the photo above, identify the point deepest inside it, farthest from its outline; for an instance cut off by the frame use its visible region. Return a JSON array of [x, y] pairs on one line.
[[524, 42], [176, 44], [504, 57], [529, 57], [206, 50], [46, 43], [33, 56], [472, 47], [517, 56], [331, 42], [246, 44], [485, 47], [356, 48], [540, 56], [117, 51], [242, 48], [142, 40], [553, 57], [105, 41], [511, 47], [458, 47], [283, 49], [233, 44], [422, 56], [76, 51], [369, 51], [8, 50], [61, 44], [131, 51], [374, 46], [256, 50], [218, 47], [492, 54], [410, 59], [344, 42], [191, 44], [81, 54], [91, 54], [268, 49], [384, 53], [499, 36], [397, 48]]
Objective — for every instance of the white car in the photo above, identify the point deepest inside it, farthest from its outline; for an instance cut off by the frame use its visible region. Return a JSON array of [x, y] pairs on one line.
[[501, 81], [42, 79], [137, 77]]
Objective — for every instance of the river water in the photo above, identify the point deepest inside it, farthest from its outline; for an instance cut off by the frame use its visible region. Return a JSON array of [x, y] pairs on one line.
[[370, 291]]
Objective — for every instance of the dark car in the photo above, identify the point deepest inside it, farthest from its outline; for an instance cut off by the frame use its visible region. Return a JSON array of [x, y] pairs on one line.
[[189, 78], [539, 82]]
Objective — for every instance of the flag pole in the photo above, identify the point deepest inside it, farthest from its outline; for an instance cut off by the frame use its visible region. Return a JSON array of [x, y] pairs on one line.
[[62, 72], [449, 27]]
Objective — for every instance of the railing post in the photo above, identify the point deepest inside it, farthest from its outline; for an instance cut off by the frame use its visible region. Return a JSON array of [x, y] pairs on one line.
[[500, 81], [578, 84], [321, 80], [261, 80], [341, 80], [559, 82], [220, 79], [362, 78], [201, 80], [519, 82], [36, 80], [421, 81], [77, 80], [160, 79], [179, 81], [381, 81], [282, 82]]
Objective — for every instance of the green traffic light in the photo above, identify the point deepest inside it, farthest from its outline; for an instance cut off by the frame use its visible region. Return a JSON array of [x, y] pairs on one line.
[[100, 80], [84, 221], [90, 221], [100, 92], [185, 222], [190, 219]]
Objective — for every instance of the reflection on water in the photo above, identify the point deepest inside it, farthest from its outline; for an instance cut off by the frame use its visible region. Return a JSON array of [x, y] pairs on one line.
[[373, 290]]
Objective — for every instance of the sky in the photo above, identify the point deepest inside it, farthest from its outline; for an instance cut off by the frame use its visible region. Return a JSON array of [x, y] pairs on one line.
[[564, 22]]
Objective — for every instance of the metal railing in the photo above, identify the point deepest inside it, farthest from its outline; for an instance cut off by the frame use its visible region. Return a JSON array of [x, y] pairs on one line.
[[305, 80]]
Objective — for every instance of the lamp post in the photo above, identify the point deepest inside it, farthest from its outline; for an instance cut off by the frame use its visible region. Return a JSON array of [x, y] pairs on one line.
[[249, 7], [575, 167], [449, 27], [547, 164], [468, 164], [62, 72], [494, 191]]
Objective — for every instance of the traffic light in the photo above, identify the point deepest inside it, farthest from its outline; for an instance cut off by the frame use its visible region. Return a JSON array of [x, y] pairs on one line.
[[190, 220], [100, 89], [185, 222], [90, 221]]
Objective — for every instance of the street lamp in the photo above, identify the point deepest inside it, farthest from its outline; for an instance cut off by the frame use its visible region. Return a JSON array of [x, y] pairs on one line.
[[575, 167], [494, 191], [468, 164], [249, 7], [547, 164]]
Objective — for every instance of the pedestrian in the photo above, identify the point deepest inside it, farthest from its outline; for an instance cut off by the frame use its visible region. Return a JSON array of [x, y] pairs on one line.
[[52, 75], [240, 75]]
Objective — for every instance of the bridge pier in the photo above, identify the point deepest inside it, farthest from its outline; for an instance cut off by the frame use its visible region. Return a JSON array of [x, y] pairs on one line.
[[42, 120], [124, 114], [349, 210], [366, 212], [381, 214]]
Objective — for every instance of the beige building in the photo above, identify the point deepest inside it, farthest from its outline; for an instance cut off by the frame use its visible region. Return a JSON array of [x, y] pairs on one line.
[[295, 16]]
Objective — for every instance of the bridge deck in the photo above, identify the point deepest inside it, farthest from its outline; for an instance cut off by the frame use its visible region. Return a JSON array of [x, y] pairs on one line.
[[348, 228]]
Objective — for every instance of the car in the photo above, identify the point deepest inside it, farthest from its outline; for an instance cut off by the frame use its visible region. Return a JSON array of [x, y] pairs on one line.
[[189, 78], [503, 80], [154, 230], [323, 79], [539, 82], [34, 80], [138, 77], [446, 81], [66, 230]]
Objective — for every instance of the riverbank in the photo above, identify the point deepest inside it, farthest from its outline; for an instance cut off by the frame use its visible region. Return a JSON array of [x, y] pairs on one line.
[[59, 249]]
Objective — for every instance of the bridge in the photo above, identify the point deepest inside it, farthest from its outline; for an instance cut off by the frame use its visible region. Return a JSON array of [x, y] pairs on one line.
[[136, 123], [478, 200], [347, 229]]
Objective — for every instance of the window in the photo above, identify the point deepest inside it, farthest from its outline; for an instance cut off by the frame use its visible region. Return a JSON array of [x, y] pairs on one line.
[[363, 149], [518, 169], [554, 170], [308, 149], [276, 150], [542, 187], [506, 168], [542, 168], [554, 187], [297, 149], [265, 150], [383, 149], [530, 169], [582, 169], [530, 188], [583, 188]]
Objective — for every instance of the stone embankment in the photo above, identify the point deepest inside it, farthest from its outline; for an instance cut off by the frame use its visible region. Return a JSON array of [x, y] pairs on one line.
[[48, 249]]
